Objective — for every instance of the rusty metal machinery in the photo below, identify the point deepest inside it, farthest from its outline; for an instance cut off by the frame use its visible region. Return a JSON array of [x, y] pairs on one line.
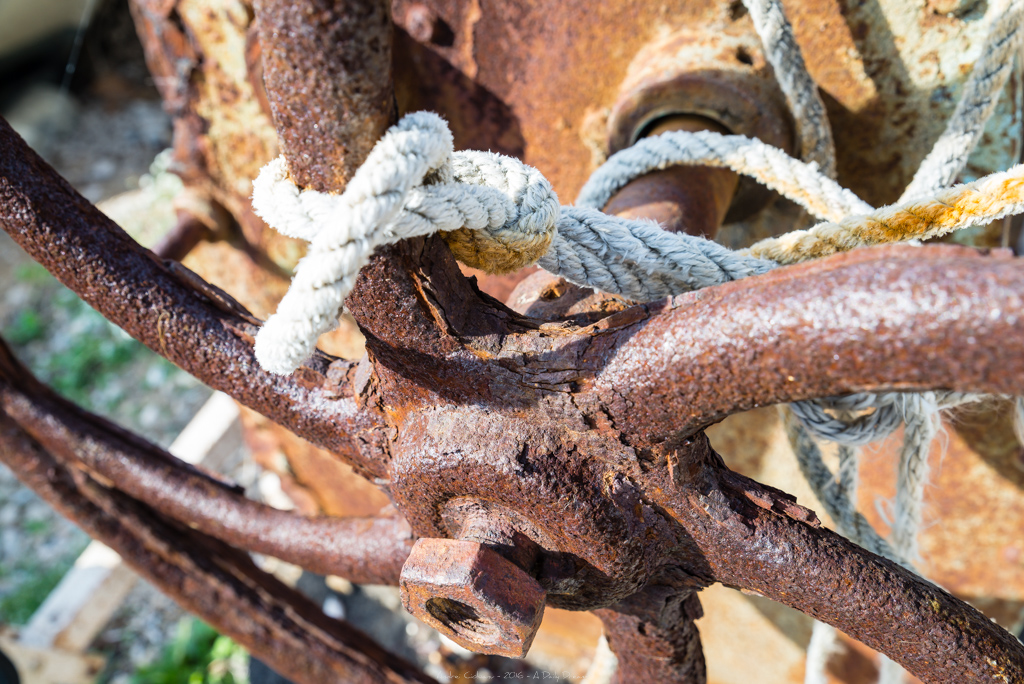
[[569, 450]]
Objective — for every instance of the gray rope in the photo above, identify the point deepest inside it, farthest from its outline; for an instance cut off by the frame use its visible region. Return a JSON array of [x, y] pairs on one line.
[[981, 94], [617, 255]]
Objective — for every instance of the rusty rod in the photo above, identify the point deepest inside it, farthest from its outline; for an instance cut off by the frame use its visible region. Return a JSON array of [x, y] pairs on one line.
[[267, 617], [170, 310], [327, 70], [894, 317], [365, 550], [654, 636], [760, 543], [682, 199], [320, 88]]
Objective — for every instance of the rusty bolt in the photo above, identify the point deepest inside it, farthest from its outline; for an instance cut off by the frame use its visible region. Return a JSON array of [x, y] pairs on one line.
[[720, 77], [472, 595]]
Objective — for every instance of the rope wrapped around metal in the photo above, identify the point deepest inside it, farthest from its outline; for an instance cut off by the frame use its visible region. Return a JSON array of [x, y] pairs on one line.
[[499, 214]]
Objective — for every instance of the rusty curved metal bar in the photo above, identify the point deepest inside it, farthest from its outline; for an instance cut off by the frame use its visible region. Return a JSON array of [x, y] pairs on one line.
[[654, 636], [173, 312], [365, 550], [756, 539], [267, 617], [896, 317]]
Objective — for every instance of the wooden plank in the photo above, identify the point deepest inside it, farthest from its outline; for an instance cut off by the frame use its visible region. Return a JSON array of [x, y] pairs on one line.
[[47, 666]]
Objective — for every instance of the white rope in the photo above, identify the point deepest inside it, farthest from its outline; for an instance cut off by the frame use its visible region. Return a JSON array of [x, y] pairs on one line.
[[919, 411], [502, 199], [801, 92], [857, 431], [384, 203], [823, 645], [987, 199], [413, 184], [798, 181], [944, 162], [402, 191]]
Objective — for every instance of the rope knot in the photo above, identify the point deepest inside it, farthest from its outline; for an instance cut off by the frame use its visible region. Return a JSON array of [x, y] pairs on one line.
[[495, 212], [530, 224]]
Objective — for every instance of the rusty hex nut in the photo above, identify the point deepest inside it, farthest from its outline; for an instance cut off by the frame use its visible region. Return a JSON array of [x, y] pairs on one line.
[[472, 595]]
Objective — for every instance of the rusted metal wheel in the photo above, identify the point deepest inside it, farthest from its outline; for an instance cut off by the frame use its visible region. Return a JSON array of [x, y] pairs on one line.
[[557, 444]]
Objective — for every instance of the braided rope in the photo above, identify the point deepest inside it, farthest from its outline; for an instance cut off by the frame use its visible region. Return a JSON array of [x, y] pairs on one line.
[[499, 214], [801, 92], [384, 203], [985, 200], [798, 181], [980, 95], [940, 167], [833, 498]]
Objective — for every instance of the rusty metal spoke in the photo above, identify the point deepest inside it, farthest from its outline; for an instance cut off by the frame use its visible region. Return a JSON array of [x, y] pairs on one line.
[[332, 100], [207, 577], [170, 310], [654, 637], [369, 550], [899, 317], [758, 539], [327, 70]]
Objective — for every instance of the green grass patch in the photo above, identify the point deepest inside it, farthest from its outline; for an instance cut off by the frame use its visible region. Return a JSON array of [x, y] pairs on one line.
[[18, 606], [197, 655]]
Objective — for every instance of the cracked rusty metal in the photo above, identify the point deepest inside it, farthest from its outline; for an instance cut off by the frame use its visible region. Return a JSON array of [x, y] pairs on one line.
[[576, 473], [579, 435], [654, 636], [925, 317], [329, 62]]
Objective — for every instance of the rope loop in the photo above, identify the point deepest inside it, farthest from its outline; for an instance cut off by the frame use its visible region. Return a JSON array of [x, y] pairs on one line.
[[411, 184]]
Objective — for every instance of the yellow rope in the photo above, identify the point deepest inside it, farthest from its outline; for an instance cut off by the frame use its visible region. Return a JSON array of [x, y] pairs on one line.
[[987, 199]]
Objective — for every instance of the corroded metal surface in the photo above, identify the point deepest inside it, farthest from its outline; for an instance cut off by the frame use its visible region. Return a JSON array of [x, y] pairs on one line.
[[932, 316], [197, 53], [581, 435], [970, 540], [871, 598], [203, 331], [329, 62], [973, 512], [891, 73], [360, 549], [654, 636], [682, 199], [267, 617]]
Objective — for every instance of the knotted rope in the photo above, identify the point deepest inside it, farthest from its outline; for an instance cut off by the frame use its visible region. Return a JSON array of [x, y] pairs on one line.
[[500, 214]]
